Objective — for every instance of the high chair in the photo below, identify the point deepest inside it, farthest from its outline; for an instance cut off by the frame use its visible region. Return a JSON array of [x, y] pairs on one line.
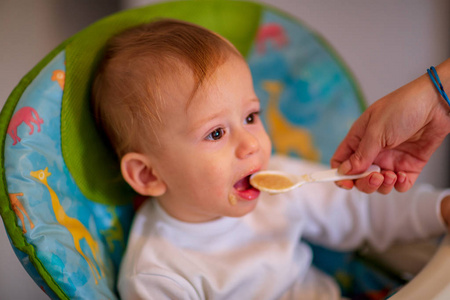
[[65, 207]]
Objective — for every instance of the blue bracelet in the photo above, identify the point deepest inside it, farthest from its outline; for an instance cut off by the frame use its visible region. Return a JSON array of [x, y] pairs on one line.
[[437, 83]]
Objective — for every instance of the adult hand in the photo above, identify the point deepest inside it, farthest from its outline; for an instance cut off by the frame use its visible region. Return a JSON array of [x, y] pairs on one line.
[[399, 132], [445, 211]]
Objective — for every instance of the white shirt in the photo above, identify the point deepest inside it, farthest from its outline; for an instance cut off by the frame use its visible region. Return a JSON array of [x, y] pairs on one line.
[[260, 256]]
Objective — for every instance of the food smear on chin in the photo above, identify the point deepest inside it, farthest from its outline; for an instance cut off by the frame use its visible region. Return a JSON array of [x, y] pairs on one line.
[[233, 199], [271, 181]]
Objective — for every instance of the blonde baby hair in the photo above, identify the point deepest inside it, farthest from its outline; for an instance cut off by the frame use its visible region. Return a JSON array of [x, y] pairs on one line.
[[126, 94]]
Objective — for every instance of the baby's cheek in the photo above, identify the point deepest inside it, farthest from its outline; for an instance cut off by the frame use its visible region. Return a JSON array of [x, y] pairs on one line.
[[266, 145], [217, 173], [221, 191], [214, 182]]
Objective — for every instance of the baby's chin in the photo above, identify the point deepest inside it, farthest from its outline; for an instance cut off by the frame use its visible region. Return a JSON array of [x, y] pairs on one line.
[[241, 206]]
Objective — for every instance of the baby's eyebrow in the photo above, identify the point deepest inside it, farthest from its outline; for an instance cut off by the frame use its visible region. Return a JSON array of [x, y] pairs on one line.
[[256, 100], [197, 124]]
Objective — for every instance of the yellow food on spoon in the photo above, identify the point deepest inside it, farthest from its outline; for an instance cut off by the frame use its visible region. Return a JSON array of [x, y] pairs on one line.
[[271, 181]]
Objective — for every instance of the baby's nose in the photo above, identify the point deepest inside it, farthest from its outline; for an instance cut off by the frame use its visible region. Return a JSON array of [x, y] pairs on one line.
[[248, 144]]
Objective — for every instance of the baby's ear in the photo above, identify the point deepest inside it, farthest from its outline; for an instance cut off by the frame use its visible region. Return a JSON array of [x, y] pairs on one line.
[[140, 174]]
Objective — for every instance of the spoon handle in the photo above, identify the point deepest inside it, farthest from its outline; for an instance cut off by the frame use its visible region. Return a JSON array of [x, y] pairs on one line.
[[332, 175]]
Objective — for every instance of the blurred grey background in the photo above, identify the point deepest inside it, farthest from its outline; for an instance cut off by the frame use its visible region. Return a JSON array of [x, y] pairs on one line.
[[385, 43]]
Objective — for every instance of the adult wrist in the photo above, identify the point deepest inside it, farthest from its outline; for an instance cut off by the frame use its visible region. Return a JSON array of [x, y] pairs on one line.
[[443, 71]]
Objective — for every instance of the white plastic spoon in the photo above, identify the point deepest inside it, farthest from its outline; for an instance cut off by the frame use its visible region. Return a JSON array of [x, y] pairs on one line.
[[279, 182]]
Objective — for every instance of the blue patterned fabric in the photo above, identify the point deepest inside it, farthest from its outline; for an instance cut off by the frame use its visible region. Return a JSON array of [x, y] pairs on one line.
[[45, 198], [316, 93]]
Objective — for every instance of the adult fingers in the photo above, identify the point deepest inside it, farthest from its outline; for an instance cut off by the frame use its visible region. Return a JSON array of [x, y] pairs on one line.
[[351, 142], [405, 181], [362, 157], [370, 183], [390, 178]]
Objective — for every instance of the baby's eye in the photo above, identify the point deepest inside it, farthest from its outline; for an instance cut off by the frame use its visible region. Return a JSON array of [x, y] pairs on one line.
[[251, 118], [216, 134]]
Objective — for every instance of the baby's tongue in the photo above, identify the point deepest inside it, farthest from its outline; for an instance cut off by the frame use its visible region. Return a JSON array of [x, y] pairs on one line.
[[245, 190], [243, 184]]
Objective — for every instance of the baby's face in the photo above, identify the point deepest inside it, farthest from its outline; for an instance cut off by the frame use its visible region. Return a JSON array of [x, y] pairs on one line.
[[211, 147]]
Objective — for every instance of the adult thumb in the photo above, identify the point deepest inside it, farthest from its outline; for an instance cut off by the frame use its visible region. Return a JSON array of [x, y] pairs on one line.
[[361, 159]]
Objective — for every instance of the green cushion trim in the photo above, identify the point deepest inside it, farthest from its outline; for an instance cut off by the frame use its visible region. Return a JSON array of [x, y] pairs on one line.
[[86, 156], [9, 217]]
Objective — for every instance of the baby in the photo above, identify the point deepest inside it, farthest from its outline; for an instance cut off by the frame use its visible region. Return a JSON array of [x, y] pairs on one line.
[[178, 106]]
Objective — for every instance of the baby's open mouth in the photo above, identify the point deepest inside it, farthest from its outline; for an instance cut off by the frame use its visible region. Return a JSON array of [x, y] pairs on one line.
[[245, 190], [243, 184]]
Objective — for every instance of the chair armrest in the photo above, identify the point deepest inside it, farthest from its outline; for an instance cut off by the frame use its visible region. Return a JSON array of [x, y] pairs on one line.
[[433, 281]]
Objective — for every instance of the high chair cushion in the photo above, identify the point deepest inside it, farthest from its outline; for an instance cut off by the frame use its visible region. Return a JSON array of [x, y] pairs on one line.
[[65, 207]]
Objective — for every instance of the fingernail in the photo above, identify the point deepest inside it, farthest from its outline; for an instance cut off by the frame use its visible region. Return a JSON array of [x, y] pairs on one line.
[[376, 179], [401, 177], [389, 179], [343, 186], [345, 167]]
